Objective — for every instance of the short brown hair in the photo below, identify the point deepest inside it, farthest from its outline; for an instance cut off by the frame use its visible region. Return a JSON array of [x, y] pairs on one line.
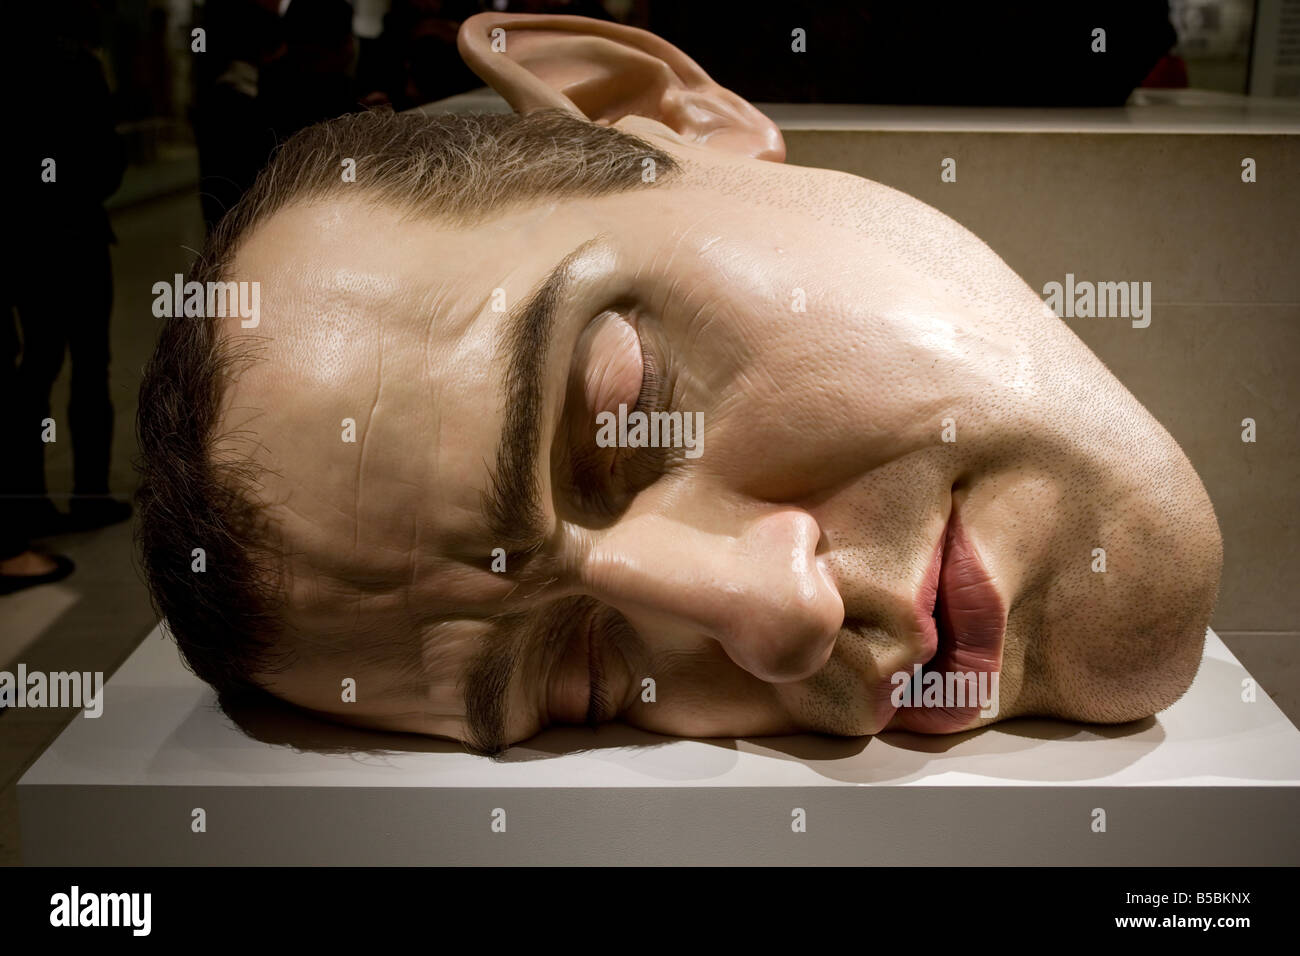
[[457, 168]]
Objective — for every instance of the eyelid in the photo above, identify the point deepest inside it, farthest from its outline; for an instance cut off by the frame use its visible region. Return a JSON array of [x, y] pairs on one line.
[[581, 631], [592, 650], [610, 363], [617, 652]]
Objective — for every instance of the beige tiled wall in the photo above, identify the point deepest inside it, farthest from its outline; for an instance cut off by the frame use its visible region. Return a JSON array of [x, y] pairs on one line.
[[1223, 258]]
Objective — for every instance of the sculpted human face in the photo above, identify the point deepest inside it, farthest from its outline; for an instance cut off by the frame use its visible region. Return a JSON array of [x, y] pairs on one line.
[[895, 431]]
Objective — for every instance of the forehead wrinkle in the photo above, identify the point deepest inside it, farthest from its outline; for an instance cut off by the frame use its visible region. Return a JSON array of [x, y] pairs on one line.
[[359, 486], [369, 299]]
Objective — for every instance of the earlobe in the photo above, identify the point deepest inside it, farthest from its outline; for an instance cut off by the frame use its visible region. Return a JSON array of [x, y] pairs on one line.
[[605, 72]]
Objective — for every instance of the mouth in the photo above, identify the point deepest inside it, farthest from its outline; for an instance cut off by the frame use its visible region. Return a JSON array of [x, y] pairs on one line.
[[964, 620]]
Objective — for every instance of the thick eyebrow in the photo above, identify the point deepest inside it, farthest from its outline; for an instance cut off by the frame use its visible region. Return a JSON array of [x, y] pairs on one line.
[[512, 504], [487, 685], [514, 638]]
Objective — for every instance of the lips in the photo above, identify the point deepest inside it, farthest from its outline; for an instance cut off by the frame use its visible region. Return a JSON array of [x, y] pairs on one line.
[[968, 626]]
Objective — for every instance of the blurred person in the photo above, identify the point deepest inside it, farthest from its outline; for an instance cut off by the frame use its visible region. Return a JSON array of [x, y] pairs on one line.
[[233, 134], [21, 566], [310, 77], [65, 160], [419, 43]]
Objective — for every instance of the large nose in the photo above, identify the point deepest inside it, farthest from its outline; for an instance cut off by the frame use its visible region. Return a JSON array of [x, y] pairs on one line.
[[748, 577]]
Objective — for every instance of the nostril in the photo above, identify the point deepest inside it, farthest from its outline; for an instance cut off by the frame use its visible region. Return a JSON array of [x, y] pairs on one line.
[[780, 652], [823, 544], [786, 669]]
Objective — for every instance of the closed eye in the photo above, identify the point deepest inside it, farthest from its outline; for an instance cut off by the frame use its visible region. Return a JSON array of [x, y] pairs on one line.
[[615, 366]]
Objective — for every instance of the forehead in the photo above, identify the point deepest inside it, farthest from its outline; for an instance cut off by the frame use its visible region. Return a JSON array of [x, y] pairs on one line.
[[375, 397]]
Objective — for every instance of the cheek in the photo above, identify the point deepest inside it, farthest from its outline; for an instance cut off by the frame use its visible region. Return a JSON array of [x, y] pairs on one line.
[[614, 375], [705, 695]]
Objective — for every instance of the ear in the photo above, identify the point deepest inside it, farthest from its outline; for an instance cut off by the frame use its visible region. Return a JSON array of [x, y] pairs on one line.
[[606, 71]]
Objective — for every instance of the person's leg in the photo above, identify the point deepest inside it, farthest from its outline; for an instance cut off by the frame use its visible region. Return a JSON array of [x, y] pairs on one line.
[[90, 407], [20, 566], [39, 301], [13, 517]]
